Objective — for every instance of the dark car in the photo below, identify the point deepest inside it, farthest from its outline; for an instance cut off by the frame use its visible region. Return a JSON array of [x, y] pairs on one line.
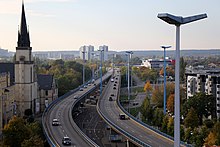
[[110, 98], [66, 141]]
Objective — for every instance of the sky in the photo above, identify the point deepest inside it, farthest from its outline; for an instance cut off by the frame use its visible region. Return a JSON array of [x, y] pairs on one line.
[[120, 24]]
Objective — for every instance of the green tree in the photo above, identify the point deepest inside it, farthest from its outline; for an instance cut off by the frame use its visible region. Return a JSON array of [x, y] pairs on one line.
[[203, 104], [164, 123], [182, 69], [146, 110], [15, 132], [170, 126], [158, 117], [191, 119]]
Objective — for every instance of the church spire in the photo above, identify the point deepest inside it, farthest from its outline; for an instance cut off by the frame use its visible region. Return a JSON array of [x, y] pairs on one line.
[[23, 34]]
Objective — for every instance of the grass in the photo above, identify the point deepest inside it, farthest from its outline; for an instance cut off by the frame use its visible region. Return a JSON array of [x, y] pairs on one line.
[[125, 97]]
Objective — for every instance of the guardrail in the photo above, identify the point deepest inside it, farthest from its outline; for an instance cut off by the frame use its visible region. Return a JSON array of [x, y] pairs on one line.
[[115, 127], [148, 126], [48, 137]]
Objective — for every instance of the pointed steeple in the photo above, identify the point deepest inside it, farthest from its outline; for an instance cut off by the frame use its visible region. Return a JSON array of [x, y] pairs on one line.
[[23, 34]]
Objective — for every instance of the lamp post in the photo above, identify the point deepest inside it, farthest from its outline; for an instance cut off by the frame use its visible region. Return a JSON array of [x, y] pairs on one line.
[[178, 21], [83, 67], [129, 55], [93, 55], [101, 50], [164, 79]]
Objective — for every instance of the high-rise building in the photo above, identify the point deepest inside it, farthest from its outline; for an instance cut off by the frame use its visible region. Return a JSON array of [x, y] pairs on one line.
[[88, 50], [104, 48]]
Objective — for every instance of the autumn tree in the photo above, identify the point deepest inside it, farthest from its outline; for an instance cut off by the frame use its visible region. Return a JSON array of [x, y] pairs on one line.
[[15, 132], [147, 87], [214, 136], [170, 103]]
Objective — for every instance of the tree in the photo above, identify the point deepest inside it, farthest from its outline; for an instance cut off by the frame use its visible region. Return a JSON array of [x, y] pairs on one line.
[[164, 123], [15, 132], [170, 126], [203, 104], [191, 119], [170, 103], [34, 141], [158, 117], [182, 69], [214, 135], [146, 110], [147, 87]]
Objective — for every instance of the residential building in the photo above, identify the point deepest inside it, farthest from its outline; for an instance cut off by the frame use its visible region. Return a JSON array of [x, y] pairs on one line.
[[104, 49], [206, 81], [87, 51], [156, 63]]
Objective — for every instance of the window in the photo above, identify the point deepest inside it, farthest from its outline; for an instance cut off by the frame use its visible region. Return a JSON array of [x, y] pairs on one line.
[[218, 92], [218, 86], [218, 105], [46, 92], [218, 111]]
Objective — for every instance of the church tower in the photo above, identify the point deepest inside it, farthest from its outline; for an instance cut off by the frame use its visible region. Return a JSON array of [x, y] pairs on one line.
[[25, 78]]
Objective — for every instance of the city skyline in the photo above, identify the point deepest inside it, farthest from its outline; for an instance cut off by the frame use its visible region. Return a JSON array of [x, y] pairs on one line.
[[121, 25]]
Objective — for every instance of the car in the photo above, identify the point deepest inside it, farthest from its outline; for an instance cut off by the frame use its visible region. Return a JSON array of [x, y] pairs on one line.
[[66, 140], [75, 96], [135, 103], [110, 98], [112, 94], [55, 122], [85, 86], [81, 89], [112, 80], [114, 87]]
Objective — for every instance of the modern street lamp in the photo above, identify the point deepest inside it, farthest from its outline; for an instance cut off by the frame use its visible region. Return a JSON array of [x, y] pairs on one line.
[[83, 52], [129, 56], [164, 79], [178, 21], [101, 50]]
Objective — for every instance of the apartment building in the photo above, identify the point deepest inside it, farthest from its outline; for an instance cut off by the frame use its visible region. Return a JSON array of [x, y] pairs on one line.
[[207, 81]]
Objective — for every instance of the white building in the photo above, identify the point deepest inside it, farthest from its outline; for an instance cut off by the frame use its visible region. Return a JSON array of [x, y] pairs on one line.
[[88, 50], [207, 81], [156, 63], [104, 48]]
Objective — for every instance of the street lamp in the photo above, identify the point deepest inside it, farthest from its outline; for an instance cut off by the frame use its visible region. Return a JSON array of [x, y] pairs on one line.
[[83, 52], [129, 56], [164, 79], [101, 50], [177, 21]]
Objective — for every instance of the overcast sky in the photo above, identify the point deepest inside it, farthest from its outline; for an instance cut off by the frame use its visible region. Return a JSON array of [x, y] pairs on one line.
[[120, 24]]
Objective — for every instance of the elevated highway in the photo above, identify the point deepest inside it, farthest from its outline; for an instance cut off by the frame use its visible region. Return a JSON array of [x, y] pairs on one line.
[[131, 129], [62, 110]]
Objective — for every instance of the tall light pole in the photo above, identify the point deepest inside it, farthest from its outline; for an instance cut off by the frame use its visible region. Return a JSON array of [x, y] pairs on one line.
[[164, 79], [83, 52], [178, 21], [101, 50], [129, 56]]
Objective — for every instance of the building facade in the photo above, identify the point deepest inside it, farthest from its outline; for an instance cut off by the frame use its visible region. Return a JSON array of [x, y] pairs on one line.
[[104, 50], [156, 63], [206, 81], [87, 51]]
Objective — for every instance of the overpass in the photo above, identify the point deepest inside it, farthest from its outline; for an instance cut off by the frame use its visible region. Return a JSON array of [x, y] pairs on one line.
[[134, 131], [61, 109]]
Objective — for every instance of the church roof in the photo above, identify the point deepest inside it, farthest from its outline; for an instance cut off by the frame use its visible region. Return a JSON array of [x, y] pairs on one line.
[[23, 34], [8, 67], [45, 82]]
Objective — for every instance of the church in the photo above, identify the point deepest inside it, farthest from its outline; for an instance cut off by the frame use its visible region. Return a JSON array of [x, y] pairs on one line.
[[21, 88]]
